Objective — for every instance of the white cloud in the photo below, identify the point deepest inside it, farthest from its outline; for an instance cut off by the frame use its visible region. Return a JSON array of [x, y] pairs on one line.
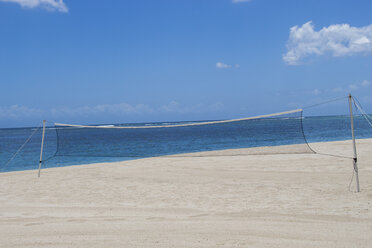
[[240, 1], [353, 87], [221, 65], [120, 109], [51, 5], [316, 92], [113, 109], [175, 107], [366, 83], [336, 40], [17, 112]]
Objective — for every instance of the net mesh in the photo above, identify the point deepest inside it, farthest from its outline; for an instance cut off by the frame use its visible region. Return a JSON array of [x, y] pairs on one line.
[[268, 134]]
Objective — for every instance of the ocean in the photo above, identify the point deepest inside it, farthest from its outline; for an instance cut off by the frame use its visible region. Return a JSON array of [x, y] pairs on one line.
[[74, 146]]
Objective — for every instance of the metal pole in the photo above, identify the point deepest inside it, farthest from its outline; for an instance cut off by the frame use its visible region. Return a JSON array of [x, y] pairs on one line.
[[355, 160], [41, 149]]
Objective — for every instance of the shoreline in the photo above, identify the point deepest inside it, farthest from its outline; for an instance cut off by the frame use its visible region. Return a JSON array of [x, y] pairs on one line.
[[264, 150]]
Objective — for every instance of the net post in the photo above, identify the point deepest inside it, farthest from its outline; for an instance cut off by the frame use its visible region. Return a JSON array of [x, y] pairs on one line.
[[41, 149], [355, 159]]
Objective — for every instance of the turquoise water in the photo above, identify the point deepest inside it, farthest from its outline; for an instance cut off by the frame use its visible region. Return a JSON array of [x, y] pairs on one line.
[[71, 146]]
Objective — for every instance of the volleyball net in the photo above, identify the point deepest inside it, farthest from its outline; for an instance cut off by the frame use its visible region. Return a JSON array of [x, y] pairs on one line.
[[289, 132], [277, 130]]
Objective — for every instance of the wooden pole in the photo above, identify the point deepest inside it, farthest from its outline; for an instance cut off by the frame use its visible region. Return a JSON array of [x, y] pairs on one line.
[[41, 149], [355, 159]]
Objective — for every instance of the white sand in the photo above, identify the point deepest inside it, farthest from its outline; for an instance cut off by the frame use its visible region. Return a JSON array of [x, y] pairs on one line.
[[237, 201]]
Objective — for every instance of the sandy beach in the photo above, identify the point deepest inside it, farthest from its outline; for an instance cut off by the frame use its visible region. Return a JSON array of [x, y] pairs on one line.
[[290, 200]]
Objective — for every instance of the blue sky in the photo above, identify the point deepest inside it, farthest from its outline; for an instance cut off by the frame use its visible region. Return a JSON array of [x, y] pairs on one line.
[[160, 60]]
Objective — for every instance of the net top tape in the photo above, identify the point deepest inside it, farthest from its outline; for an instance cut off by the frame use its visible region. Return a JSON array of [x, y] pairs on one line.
[[183, 125]]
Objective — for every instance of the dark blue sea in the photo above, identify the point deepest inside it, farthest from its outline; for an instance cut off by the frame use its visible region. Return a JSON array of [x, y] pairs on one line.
[[74, 146]]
